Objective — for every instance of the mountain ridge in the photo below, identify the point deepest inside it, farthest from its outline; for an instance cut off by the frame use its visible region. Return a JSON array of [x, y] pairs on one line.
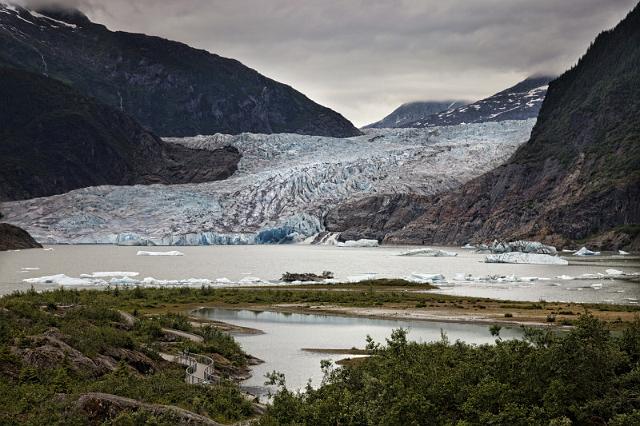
[[168, 86], [411, 111]]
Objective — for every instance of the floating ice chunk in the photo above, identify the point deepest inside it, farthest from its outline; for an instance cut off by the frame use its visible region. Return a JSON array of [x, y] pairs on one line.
[[522, 246], [623, 253], [159, 253], [614, 272], [586, 252], [110, 274], [29, 269], [251, 280], [426, 278], [189, 282], [596, 286], [565, 277], [48, 249], [428, 252], [359, 243], [528, 258], [60, 279], [568, 251], [468, 246], [223, 280], [124, 281]]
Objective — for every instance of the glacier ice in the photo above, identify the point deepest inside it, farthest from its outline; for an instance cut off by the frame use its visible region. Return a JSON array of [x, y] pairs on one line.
[[281, 192], [528, 258]]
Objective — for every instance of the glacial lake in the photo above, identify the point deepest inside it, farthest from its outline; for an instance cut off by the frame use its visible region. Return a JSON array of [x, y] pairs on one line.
[[269, 262], [286, 334]]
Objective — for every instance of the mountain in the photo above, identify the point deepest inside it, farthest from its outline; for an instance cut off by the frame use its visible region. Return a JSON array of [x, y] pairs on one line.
[[519, 102], [54, 139], [412, 112], [167, 86], [577, 179]]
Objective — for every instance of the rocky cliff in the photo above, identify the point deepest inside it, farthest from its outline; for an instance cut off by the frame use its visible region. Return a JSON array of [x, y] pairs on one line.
[[577, 178], [54, 139], [14, 238], [170, 87]]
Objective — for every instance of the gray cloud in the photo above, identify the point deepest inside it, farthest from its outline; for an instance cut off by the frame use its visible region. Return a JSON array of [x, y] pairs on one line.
[[365, 57]]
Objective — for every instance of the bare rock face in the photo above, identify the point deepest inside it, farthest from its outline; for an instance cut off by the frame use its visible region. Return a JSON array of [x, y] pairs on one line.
[[54, 139], [99, 407], [169, 87], [50, 350], [374, 217], [14, 238], [577, 178]]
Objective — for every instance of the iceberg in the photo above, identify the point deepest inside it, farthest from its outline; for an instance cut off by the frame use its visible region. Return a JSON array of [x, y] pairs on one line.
[[468, 246], [426, 278], [159, 253], [522, 247], [110, 274], [124, 281], [622, 252], [586, 252], [428, 252], [60, 279], [359, 243], [614, 272], [528, 258]]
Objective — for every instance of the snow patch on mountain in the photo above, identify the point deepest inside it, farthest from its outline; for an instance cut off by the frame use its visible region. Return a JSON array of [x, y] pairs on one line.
[[284, 186]]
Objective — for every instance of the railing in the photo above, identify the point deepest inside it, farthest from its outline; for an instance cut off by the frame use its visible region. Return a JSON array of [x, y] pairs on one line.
[[194, 362]]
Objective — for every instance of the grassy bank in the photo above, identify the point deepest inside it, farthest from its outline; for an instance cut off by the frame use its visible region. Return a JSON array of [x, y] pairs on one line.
[[61, 351], [376, 298]]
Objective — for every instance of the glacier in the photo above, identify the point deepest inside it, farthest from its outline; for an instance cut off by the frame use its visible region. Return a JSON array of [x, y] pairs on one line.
[[281, 192]]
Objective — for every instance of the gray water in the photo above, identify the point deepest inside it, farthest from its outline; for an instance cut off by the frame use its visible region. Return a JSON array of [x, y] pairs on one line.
[[270, 262], [287, 334]]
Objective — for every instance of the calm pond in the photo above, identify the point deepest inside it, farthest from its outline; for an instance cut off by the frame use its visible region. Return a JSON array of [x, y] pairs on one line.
[[286, 334]]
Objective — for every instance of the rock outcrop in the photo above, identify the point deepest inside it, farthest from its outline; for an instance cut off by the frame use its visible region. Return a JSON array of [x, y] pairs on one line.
[[54, 139], [14, 238], [99, 407], [172, 88], [577, 178]]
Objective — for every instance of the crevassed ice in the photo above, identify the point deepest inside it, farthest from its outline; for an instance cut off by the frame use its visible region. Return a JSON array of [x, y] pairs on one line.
[[284, 186]]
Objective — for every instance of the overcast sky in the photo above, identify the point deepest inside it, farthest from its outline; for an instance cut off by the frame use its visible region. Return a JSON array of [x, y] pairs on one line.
[[363, 58]]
